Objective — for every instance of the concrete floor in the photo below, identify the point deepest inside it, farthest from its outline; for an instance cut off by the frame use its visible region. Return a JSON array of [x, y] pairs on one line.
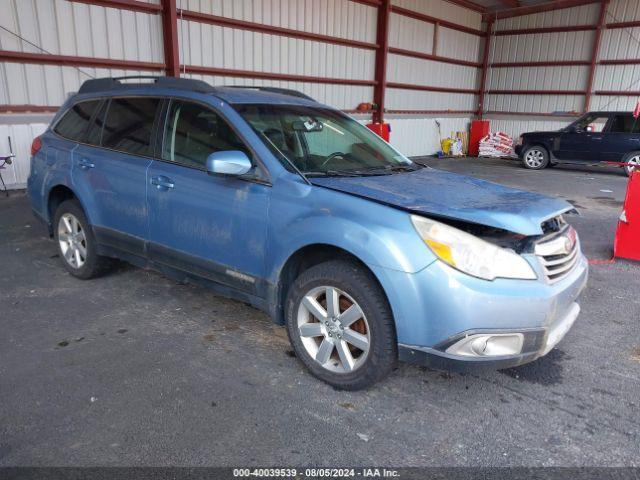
[[135, 369]]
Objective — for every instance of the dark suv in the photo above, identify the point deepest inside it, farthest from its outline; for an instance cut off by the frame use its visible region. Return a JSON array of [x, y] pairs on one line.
[[595, 137]]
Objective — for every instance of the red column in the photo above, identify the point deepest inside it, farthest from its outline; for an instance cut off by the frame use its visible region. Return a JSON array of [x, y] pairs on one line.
[[382, 39], [594, 54], [485, 67], [170, 37]]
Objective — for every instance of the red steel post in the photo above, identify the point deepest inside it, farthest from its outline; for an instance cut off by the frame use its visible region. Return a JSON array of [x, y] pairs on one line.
[[170, 37], [382, 39], [485, 65], [595, 52]]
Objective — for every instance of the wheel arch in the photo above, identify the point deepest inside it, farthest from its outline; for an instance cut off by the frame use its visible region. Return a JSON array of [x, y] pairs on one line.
[[57, 194], [303, 259]]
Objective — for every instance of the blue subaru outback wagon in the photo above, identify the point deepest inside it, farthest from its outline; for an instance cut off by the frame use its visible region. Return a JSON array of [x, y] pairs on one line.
[[274, 199]]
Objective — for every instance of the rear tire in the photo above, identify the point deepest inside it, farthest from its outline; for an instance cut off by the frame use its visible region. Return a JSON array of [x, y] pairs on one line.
[[535, 158], [350, 342], [634, 158], [76, 243]]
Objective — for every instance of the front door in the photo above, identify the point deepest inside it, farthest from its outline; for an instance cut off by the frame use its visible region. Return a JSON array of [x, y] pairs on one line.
[[583, 141], [213, 226], [111, 168]]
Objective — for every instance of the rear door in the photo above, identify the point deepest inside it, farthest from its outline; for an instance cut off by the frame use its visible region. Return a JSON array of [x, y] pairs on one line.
[[110, 171], [621, 136], [214, 226]]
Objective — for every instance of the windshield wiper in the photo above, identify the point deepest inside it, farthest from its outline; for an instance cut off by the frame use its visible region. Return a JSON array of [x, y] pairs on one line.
[[333, 173]]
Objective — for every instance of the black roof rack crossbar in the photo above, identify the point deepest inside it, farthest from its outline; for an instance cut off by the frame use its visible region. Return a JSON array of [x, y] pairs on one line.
[[282, 91], [116, 83]]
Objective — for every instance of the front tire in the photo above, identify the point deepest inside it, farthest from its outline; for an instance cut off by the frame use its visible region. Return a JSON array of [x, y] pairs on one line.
[[634, 159], [341, 326], [535, 158], [76, 243]]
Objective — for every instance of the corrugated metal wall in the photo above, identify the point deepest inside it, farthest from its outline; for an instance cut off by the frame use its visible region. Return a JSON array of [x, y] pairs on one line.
[[616, 44], [619, 44], [71, 28]]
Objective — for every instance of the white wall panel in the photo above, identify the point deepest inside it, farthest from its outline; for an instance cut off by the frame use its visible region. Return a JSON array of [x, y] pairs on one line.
[[583, 15], [29, 84], [623, 11], [617, 102], [443, 10], [417, 71], [620, 43], [419, 136], [617, 77], [399, 99], [459, 45], [345, 97], [533, 103], [15, 175], [339, 18], [543, 47], [538, 78], [70, 28], [516, 127], [410, 34], [223, 47]]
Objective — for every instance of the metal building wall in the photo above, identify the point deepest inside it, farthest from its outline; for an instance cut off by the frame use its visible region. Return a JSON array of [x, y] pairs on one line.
[[616, 71], [619, 44], [417, 134], [508, 81]]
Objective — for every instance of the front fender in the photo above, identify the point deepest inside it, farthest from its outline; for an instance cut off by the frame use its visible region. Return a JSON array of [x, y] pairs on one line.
[[301, 215]]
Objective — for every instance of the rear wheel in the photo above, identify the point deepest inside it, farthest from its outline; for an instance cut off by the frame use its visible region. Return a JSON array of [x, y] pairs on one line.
[[535, 158], [633, 162], [340, 325], [76, 242]]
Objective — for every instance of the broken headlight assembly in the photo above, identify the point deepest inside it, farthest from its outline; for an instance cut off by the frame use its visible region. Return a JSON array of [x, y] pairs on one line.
[[470, 254]]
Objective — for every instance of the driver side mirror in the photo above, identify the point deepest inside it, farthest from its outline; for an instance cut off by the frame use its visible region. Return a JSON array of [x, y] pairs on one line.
[[230, 162]]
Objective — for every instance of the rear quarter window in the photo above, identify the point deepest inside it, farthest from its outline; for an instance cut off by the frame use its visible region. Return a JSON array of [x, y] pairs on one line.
[[74, 123]]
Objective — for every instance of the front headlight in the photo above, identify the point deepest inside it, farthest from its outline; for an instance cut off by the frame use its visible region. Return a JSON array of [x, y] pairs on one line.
[[470, 254], [519, 141]]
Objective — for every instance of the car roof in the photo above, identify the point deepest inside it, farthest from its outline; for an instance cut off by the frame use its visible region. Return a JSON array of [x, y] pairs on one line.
[[596, 112], [230, 94], [235, 95]]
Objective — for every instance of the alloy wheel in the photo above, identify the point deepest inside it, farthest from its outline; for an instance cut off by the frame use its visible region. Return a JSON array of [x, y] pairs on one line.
[[72, 240], [634, 163], [534, 158], [333, 329]]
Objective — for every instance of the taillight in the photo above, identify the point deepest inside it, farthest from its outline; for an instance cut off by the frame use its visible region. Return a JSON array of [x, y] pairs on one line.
[[36, 145]]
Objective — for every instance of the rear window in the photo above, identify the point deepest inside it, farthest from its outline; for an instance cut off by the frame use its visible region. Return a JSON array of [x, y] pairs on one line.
[[128, 125], [74, 123]]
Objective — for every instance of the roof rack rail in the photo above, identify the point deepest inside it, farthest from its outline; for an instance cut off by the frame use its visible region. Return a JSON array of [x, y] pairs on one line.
[[120, 83], [282, 91]]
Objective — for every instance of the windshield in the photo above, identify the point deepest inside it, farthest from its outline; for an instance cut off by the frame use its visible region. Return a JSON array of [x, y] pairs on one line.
[[321, 141]]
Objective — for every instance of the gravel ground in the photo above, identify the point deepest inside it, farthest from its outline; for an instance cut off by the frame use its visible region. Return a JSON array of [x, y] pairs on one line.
[[135, 369]]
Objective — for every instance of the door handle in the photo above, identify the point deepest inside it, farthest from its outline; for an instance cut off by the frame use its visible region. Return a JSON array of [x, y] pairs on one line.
[[85, 164], [162, 183]]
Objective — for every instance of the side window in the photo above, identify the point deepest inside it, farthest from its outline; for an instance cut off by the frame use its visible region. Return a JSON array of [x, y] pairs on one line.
[[129, 123], [193, 132], [94, 135], [624, 124], [74, 123]]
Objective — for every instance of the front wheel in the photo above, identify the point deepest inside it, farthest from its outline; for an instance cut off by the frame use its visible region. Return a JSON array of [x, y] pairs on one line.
[[341, 326], [633, 162], [535, 158]]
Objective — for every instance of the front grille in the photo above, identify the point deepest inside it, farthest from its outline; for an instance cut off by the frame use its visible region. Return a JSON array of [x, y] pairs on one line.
[[559, 255]]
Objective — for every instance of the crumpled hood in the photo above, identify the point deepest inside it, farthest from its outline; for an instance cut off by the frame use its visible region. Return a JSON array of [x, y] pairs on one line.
[[448, 195]]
